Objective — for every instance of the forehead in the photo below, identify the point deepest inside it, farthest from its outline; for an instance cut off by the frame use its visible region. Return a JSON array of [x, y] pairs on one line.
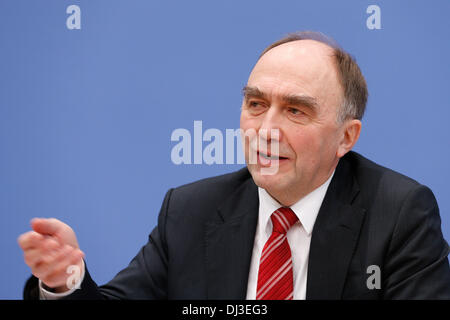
[[297, 67]]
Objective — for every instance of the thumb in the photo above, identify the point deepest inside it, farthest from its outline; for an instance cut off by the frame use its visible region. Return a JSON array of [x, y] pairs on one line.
[[46, 226]]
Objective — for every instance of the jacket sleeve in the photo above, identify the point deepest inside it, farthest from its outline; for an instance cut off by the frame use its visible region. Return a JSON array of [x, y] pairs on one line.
[[416, 263], [144, 278]]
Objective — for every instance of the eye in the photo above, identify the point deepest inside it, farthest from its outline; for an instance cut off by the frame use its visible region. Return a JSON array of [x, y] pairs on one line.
[[295, 111], [254, 104], [256, 107]]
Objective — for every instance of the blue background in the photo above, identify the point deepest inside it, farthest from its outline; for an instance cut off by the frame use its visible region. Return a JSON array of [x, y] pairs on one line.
[[86, 115]]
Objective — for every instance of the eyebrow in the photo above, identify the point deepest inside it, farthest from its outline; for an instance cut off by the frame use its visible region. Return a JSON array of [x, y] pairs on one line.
[[291, 99]]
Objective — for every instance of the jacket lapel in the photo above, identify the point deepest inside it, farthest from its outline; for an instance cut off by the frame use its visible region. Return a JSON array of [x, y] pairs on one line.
[[334, 236], [229, 243]]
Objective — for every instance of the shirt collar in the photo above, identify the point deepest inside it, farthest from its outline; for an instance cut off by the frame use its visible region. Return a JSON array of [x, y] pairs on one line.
[[306, 209]]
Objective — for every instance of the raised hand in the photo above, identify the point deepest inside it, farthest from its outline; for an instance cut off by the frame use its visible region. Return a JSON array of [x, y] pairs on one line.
[[50, 250]]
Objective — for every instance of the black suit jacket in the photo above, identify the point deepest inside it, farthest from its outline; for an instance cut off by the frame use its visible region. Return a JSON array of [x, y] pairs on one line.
[[202, 245]]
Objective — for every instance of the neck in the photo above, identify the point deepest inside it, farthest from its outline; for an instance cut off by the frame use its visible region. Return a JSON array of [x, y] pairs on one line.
[[289, 196]]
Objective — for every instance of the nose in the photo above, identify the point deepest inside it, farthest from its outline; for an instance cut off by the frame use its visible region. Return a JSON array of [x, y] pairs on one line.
[[271, 125]]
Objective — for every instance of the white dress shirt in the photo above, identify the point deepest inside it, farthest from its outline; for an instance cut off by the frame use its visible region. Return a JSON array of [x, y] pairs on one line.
[[298, 236]]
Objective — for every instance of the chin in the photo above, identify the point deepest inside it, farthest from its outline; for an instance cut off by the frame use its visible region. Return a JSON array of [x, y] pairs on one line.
[[266, 181]]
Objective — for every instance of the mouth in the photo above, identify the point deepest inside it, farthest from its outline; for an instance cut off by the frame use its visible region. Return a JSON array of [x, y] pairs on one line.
[[269, 156], [267, 159]]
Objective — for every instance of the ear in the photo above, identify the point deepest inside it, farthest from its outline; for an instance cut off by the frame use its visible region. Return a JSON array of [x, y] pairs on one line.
[[349, 135]]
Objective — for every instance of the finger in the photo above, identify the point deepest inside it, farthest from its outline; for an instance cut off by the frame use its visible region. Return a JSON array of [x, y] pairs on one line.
[[32, 257], [48, 247], [47, 262], [30, 239], [68, 256], [46, 226]]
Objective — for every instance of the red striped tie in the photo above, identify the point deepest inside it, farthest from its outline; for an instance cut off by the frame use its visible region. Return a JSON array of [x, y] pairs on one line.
[[275, 278]]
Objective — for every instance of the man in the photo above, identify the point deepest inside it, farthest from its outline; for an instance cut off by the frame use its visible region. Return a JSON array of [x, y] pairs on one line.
[[327, 224]]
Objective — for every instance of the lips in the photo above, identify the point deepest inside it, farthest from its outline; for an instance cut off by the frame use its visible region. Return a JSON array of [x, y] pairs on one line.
[[266, 160], [271, 157]]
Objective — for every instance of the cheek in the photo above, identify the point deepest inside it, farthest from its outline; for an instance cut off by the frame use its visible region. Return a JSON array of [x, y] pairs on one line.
[[247, 122], [243, 122], [303, 142], [248, 127]]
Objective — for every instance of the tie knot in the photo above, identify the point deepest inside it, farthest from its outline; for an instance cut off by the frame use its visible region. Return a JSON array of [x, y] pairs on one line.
[[282, 219]]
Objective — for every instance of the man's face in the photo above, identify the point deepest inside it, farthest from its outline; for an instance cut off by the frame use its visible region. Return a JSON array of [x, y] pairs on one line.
[[294, 88]]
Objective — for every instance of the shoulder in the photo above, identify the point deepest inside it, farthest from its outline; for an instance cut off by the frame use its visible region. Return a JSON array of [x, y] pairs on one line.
[[216, 184], [374, 178], [402, 230], [391, 195], [209, 192]]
